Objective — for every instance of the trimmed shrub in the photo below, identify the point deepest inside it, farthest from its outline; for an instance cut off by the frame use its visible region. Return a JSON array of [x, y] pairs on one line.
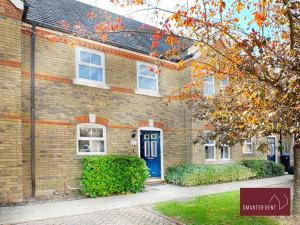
[[113, 174], [264, 168], [193, 175]]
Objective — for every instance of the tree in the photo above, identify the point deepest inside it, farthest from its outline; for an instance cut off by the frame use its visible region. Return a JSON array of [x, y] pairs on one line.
[[262, 63]]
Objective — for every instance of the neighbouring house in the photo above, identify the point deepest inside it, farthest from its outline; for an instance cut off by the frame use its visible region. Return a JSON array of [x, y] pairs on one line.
[[61, 102]]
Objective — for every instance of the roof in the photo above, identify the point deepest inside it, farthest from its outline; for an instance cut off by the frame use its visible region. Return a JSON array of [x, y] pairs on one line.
[[51, 14]]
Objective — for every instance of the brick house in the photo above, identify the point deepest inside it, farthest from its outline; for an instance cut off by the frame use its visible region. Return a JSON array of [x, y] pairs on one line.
[[94, 98]]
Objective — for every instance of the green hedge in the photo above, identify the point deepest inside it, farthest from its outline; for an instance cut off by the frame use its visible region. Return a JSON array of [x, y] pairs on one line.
[[264, 168], [114, 174], [193, 175]]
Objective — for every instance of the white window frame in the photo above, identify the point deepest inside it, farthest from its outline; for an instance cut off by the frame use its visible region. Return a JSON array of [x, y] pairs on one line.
[[248, 143], [208, 145], [92, 125], [222, 87], [209, 83], [87, 82], [147, 91], [228, 152]]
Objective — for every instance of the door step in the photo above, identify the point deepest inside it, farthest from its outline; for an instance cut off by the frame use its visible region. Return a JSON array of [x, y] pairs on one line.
[[154, 181]]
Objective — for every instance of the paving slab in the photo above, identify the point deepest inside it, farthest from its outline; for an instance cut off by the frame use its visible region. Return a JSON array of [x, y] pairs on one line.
[[151, 195], [130, 216]]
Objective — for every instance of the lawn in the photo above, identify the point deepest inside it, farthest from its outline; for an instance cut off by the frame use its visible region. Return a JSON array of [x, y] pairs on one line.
[[210, 210]]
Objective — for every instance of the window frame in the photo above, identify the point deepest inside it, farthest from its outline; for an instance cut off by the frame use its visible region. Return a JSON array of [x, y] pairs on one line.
[[91, 125], [209, 83], [246, 142], [89, 82], [229, 155], [146, 91], [208, 145]]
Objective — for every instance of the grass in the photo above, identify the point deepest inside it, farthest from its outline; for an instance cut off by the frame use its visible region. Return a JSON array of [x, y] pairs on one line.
[[214, 209]]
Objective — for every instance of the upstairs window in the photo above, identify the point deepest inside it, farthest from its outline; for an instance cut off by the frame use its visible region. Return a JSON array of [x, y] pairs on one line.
[[90, 66], [223, 83], [91, 139], [147, 78], [248, 146], [209, 87]]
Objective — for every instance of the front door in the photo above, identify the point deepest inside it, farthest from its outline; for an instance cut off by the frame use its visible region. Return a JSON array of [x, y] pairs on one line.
[[150, 151], [272, 148]]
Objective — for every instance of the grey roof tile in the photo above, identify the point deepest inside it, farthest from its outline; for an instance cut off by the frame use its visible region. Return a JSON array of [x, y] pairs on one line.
[[51, 14]]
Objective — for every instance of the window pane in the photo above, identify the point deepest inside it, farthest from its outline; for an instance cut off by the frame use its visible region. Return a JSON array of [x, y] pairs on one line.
[[151, 71], [146, 83], [153, 149], [208, 141], [97, 132], [153, 136], [209, 79], [143, 69], [209, 152], [97, 146], [224, 152], [96, 59], [147, 148], [248, 147], [84, 146], [84, 72], [96, 74], [208, 89], [223, 83], [85, 57], [85, 132]]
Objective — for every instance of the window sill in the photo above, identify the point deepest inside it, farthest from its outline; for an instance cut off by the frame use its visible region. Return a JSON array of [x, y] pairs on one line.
[[81, 156], [91, 84], [248, 153], [148, 93], [210, 160], [219, 161]]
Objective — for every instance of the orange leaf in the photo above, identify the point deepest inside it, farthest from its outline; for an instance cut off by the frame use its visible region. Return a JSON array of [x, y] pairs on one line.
[[139, 2], [239, 7], [258, 18]]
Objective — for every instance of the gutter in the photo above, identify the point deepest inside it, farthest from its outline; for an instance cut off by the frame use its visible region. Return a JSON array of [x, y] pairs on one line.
[[33, 37], [32, 108]]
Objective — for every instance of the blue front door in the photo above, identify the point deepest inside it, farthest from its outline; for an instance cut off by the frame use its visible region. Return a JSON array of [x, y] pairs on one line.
[[150, 151]]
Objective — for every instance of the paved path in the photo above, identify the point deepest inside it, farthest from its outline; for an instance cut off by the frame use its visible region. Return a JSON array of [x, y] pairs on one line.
[[130, 216], [151, 195]]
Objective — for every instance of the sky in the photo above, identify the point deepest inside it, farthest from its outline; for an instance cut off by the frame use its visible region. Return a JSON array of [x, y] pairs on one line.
[[142, 16], [149, 17]]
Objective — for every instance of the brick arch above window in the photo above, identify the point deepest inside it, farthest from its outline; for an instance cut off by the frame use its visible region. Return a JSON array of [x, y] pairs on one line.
[[209, 127], [86, 119]]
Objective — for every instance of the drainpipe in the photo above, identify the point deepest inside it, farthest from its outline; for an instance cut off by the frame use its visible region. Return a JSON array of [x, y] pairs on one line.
[[33, 35]]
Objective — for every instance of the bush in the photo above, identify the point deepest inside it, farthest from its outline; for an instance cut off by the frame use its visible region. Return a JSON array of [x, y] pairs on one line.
[[264, 168], [114, 174], [192, 175]]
